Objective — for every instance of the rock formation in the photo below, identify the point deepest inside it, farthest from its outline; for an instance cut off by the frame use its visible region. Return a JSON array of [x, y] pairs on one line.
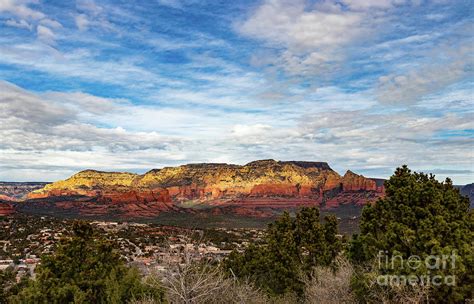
[[354, 182], [6, 208], [12, 191], [253, 189]]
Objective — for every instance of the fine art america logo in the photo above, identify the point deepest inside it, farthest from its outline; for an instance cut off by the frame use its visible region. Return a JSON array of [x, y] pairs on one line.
[[435, 270]]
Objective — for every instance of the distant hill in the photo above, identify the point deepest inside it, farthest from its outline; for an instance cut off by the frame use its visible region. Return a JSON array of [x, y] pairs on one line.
[[468, 190], [13, 191]]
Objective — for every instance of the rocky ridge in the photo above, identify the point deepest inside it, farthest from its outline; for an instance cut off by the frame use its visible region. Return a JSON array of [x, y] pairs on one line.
[[257, 188], [13, 191]]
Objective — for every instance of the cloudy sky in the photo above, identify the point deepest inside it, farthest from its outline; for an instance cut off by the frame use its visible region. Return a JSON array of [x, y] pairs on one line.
[[365, 85]]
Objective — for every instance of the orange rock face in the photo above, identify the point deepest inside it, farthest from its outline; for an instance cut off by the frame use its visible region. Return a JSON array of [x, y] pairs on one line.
[[6, 198], [333, 181], [156, 195], [354, 182], [264, 190], [6, 209], [244, 189]]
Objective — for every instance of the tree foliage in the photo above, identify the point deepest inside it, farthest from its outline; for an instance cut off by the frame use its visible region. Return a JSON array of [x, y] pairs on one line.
[[8, 285], [84, 269], [422, 217], [293, 246]]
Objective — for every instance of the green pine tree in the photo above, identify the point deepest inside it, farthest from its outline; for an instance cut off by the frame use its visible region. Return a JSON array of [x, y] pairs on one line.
[[292, 247], [84, 269], [420, 216]]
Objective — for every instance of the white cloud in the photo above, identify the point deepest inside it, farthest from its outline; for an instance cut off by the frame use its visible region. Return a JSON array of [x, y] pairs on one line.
[[436, 17], [29, 18], [261, 135], [363, 5], [78, 63], [89, 6], [316, 42], [251, 130], [45, 34], [20, 9], [86, 103], [313, 36], [376, 143], [252, 134], [50, 23], [289, 24], [19, 24], [82, 22], [446, 66], [32, 122], [94, 16]]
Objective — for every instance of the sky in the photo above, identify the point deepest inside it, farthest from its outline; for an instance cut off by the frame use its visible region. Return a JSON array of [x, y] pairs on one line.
[[135, 85]]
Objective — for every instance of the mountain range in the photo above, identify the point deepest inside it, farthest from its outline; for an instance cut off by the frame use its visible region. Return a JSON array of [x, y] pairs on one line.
[[261, 188]]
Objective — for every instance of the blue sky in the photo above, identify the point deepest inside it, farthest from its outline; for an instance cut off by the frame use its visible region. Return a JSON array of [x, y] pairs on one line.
[[134, 85]]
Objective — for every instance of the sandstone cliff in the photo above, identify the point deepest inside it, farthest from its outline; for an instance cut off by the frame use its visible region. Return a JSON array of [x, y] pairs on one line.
[[244, 189], [6, 208], [354, 182]]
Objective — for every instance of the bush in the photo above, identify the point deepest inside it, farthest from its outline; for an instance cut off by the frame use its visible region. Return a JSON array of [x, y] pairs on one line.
[[197, 283], [366, 289], [330, 285]]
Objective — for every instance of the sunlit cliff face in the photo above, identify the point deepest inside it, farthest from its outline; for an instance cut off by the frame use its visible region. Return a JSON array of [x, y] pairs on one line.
[[259, 184]]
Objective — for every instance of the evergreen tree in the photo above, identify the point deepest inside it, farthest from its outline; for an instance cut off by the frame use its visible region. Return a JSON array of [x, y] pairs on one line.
[[420, 217], [7, 281], [84, 269], [292, 247]]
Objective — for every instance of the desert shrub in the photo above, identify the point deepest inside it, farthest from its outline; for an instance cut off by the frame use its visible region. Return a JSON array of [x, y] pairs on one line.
[[366, 288], [203, 283], [330, 285]]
